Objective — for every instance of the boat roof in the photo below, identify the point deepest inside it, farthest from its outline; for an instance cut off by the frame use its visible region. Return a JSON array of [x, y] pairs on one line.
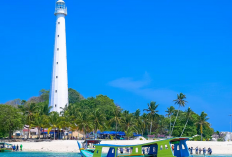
[[5, 143], [144, 144]]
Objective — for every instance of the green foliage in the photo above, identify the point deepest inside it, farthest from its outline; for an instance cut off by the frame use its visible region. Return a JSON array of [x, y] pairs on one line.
[[44, 95], [74, 96], [101, 113], [10, 120], [220, 139]]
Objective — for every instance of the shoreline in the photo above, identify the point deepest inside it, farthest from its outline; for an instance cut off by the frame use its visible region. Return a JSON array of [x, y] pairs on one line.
[[70, 146]]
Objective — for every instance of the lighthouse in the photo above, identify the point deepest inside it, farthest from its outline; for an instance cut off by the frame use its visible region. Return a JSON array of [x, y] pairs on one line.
[[59, 85]]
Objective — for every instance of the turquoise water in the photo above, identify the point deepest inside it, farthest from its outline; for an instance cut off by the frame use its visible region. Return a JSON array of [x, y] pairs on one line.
[[38, 154], [52, 154]]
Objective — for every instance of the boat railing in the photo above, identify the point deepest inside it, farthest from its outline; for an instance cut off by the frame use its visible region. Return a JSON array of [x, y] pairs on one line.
[[132, 155]]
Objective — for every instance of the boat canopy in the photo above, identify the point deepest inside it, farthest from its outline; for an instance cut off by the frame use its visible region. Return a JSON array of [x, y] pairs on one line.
[[156, 148]]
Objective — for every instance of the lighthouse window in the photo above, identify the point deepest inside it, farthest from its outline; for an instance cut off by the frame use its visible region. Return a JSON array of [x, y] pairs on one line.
[[58, 35], [55, 105], [56, 76], [56, 91], [58, 22], [57, 49], [56, 62]]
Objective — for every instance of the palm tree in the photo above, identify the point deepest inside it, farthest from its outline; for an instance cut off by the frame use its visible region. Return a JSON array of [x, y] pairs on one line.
[[138, 122], [162, 125], [98, 120], [188, 114], [29, 109], [63, 124], [45, 123], [72, 128], [54, 120], [38, 122], [63, 110], [116, 117], [181, 102], [44, 108], [137, 113], [127, 120], [170, 112], [152, 112], [144, 119], [84, 122], [129, 133], [202, 121]]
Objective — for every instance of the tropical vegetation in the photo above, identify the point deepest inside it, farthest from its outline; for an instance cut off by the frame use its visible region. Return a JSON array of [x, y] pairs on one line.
[[101, 113]]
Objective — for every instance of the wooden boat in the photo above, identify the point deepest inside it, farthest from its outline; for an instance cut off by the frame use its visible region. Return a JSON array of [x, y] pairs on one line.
[[161, 148], [5, 147], [88, 145]]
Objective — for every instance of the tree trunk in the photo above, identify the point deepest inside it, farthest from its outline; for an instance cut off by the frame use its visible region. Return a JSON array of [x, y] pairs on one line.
[[184, 127], [201, 132], [43, 133], [116, 131], [170, 127], [93, 134], [150, 127], [54, 134], [175, 119], [9, 134], [84, 133], [39, 132], [28, 134]]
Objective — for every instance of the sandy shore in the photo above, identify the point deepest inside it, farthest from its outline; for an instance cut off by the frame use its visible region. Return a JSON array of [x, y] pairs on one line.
[[71, 145]]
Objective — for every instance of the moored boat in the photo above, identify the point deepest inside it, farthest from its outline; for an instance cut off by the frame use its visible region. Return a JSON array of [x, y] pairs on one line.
[[5, 147], [88, 146], [161, 148]]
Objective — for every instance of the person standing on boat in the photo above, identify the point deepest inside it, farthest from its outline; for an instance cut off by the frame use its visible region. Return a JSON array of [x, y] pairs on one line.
[[17, 148], [196, 150], [121, 150], [143, 151], [128, 150], [147, 150]]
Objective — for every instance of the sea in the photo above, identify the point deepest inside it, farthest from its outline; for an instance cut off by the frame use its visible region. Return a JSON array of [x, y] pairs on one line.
[[52, 154]]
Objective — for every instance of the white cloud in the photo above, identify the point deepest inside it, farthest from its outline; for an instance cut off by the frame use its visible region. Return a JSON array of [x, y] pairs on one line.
[[162, 96]]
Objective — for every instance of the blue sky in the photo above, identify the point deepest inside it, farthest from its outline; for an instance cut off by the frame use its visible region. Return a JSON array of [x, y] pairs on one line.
[[134, 51]]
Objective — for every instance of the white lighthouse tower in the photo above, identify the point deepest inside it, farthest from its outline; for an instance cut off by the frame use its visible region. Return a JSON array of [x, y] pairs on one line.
[[59, 85]]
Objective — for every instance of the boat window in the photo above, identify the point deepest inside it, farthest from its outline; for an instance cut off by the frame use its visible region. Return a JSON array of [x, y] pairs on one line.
[[97, 151], [112, 150], [177, 147], [183, 147], [136, 150], [161, 147]]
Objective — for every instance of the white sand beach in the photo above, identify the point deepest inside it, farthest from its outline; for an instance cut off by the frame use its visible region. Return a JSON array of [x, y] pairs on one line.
[[71, 145]]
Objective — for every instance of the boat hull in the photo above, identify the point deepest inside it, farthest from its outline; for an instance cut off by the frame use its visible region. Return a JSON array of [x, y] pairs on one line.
[[5, 150], [86, 153]]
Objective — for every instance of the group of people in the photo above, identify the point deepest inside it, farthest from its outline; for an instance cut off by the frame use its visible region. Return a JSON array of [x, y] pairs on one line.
[[204, 150], [16, 148], [128, 150]]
